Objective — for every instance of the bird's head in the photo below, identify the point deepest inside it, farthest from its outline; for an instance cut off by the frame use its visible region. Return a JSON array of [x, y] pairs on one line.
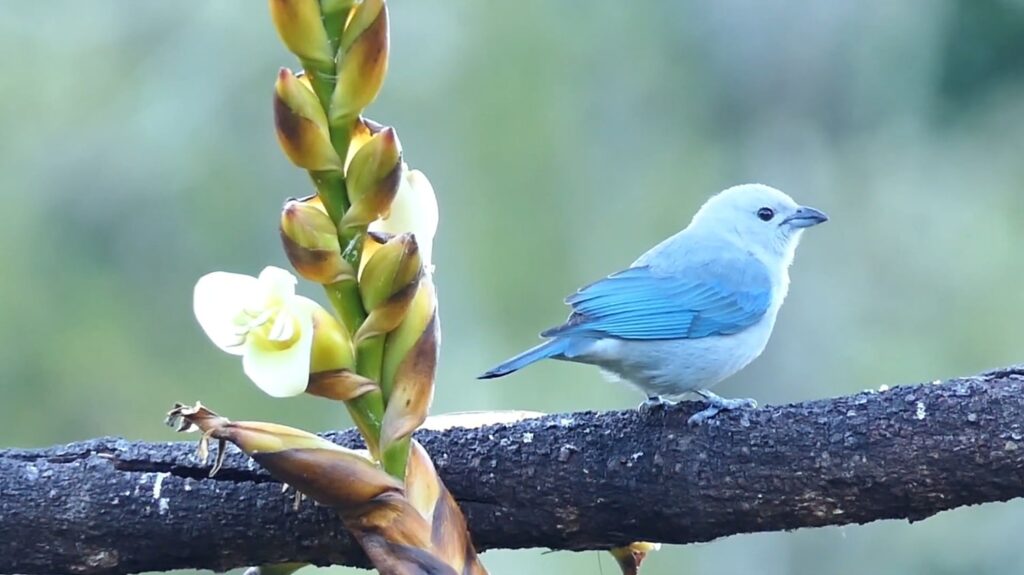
[[759, 217]]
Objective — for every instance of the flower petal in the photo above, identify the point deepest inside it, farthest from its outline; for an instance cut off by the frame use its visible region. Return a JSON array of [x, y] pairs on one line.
[[414, 209], [277, 286], [302, 306], [217, 301], [282, 373]]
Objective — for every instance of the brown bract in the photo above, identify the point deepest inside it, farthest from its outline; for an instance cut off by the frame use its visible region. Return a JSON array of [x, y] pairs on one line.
[[339, 384], [406, 528], [413, 387]]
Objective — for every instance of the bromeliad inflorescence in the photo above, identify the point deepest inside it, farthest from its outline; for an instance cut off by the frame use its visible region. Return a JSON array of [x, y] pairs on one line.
[[365, 236]]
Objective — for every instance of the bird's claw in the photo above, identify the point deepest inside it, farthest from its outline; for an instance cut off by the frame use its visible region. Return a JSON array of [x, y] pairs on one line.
[[719, 404], [653, 403]]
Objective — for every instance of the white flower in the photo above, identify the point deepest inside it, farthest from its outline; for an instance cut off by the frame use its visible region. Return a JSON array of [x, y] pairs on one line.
[[414, 209], [262, 320]]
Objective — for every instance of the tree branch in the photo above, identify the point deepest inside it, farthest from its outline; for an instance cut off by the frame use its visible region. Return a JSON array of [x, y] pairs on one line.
[[571, 481]]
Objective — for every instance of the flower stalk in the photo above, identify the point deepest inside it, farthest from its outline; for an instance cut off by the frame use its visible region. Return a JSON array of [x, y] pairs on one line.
[[366, 238]]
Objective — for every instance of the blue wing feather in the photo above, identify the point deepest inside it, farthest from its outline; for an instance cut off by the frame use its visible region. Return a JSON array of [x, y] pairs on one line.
[[715, 297]]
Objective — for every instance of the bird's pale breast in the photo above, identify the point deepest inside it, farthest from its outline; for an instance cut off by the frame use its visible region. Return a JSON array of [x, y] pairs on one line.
[[674, 367]]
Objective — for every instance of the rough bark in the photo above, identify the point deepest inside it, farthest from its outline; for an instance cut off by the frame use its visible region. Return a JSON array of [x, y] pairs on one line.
[[567, 481]]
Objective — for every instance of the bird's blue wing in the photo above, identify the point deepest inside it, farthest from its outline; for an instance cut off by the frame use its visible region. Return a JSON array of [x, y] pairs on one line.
[[716, 297]]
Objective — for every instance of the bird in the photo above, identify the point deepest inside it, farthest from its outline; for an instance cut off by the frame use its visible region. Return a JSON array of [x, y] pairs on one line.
[[693, 310]]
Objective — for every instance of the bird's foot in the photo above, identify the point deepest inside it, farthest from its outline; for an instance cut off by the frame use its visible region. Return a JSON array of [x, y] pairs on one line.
[[718, 404], [654, 403]]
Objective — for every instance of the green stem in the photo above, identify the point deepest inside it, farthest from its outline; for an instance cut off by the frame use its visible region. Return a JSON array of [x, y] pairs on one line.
[[335, 15], [370, 357], [322, 79], [344, 296], [370, 364], [330, 186], [396, 457], [341, 134], [367, 412]]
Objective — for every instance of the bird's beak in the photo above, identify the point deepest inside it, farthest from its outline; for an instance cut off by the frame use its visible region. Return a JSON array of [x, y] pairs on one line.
[[805, 217]]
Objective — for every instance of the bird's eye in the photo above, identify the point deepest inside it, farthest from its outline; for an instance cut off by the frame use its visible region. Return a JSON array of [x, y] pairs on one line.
[[766, 214]]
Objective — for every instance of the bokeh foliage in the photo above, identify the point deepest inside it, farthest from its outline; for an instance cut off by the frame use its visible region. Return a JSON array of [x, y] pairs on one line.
[[563, 138]]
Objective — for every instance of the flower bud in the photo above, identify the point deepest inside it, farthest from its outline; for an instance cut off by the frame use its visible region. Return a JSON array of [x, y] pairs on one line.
[[373, 177], [388, 285], [362, 61], [362, 130], [372, 242], [299, 25], [332, 362], [311, 242], [301, 125]]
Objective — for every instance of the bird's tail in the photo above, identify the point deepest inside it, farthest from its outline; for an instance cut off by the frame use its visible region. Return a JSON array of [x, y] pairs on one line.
[[545, 350]]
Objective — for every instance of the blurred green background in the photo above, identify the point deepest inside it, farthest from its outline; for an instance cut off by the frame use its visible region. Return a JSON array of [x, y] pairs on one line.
[[563, 139]]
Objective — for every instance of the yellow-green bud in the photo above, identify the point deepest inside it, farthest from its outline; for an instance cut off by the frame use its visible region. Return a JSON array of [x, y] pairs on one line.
[[299, 25], [361, 132], [372, 242], [393, 267], [302, 125], [362, 61], [360, 20], [332, 362], [388, 285], [373, 177], [311, 242]]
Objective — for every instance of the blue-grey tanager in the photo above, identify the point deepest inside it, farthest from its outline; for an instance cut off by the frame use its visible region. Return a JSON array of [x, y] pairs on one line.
[[692, 311]]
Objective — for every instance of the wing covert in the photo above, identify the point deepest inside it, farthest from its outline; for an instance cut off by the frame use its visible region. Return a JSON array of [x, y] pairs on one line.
[[717, 297]]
